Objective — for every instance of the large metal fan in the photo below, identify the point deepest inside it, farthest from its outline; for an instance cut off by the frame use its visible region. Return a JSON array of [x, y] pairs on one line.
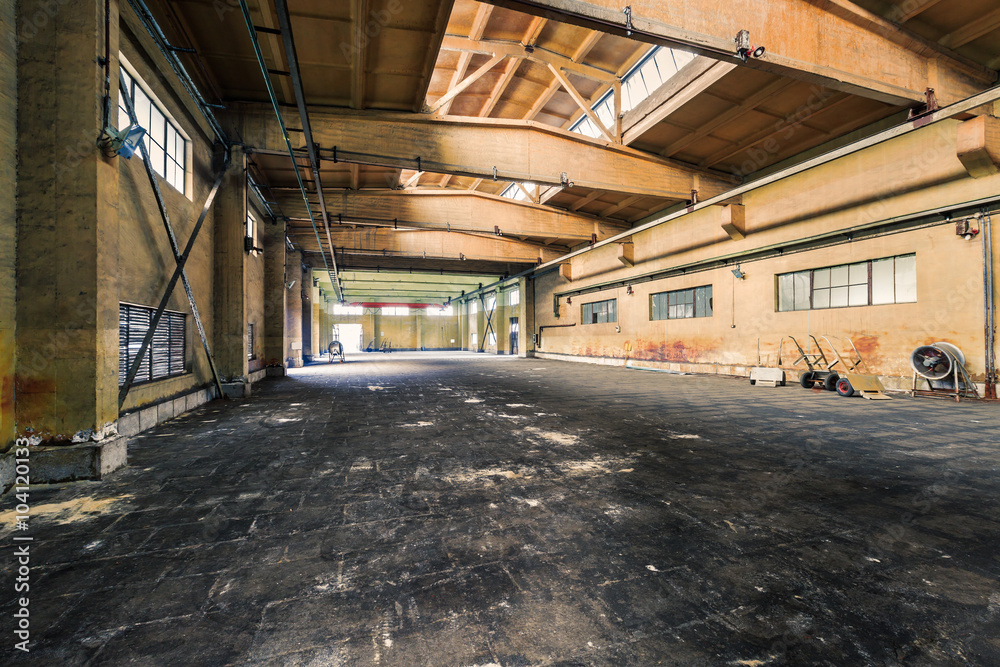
[[936, 361]]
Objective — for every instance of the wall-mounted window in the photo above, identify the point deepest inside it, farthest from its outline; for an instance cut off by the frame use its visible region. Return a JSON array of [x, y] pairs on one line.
[[599, 312], [250, 352], [513, 297], [872, 283], [491, 303], [473, 308], [166, 145], [395, 310], [681, 304], [444, 311], [341, 309], [491, 338], [166, 353]]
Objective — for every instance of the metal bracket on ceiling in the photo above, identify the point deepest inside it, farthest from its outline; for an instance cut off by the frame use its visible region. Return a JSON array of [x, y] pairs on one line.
[[495, 174], [628, 20]]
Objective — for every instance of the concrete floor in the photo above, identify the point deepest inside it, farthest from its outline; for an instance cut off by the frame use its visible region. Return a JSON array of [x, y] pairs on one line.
[[424, 510]]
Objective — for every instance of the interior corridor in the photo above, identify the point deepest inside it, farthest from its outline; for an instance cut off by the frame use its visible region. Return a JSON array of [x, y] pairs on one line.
[[434, 509]]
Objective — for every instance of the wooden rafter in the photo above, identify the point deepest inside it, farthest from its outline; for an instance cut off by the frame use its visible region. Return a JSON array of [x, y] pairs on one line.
[[359, 73], [580, 102], [468, 81], [972, 31], [727, 116]]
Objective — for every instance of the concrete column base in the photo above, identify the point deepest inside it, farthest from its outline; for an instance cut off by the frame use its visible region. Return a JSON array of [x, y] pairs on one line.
[[68, 463], [276, 372], [239, 389]]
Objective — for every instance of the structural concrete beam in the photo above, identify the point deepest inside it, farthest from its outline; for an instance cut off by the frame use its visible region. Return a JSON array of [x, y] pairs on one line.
[[438, 245], [979, 146], [457, 211], [693, 79], [519, 50], [834, 43], [500, 149]]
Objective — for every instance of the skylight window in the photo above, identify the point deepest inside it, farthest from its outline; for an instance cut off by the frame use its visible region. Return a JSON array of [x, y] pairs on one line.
[[651, 72]]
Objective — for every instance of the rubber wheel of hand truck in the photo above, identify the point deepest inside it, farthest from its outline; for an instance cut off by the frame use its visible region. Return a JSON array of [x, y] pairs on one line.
[[806, 380], [844, 388], [831, 382]]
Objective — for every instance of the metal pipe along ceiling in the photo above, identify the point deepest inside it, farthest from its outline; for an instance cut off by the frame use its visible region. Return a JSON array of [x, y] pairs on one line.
[[288, 144]]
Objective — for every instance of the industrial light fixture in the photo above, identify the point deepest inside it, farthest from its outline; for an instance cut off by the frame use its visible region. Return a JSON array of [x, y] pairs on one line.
[[122, 142], [739, 274], [628, 289]]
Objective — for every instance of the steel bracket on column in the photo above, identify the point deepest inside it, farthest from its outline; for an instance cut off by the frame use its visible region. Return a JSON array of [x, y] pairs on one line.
[[179, 258]]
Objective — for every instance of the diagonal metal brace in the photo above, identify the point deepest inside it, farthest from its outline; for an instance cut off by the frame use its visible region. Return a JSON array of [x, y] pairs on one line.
[[127, 100], [489, 323]]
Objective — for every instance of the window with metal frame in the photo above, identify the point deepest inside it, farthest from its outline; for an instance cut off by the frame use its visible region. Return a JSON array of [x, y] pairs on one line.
[[599, 312], [681, 304], [166, 145], [396, 310], [871, 283], [341, 309], [443, 311], [514, 297], [250, 351], [166, 355]]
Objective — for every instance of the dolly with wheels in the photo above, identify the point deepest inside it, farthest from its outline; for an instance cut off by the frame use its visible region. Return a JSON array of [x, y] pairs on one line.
[[820, 367]]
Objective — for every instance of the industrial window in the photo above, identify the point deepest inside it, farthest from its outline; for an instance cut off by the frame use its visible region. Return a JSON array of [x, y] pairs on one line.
[[682, 304], [396, 310], [599, 312], [472, 308], [872, 283], [250, 354], [165, 355], [443, 311], [492, 338], [513, 297], [341, 309], [491, 303], [166, 145]]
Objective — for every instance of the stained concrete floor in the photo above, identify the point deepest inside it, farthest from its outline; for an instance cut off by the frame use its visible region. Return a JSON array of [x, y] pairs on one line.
[[423, 510]]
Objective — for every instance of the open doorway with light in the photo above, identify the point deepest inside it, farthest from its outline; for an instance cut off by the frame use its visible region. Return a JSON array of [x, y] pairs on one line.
[[349, 335]]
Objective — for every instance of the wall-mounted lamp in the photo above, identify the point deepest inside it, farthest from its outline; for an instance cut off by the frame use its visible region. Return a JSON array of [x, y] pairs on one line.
[[569, 300], [628, 289], [739, 274]]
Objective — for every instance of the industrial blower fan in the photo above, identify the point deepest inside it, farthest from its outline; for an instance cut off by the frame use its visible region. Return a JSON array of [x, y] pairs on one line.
[[937, 361]]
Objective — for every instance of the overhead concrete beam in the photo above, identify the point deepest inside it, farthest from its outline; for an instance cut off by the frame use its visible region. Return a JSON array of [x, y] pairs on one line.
[[438, 245], [833, 43], [501, 149], [457, 211], [694, 78]]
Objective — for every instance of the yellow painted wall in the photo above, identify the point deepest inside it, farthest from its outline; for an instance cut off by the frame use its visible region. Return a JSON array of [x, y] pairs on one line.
[[910, 174]]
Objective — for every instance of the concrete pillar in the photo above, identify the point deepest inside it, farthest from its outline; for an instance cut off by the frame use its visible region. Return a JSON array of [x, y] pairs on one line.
[[230, 290], [293, 308], [317, 305], [67, 225], [307, 312], [324, 327], [275, 337], [8, 223], [501, 323], [526, 319]]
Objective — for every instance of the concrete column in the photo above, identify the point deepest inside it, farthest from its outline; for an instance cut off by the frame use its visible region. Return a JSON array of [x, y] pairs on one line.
[[526, 319], [8, 223], [307, 312], [501, 323], [230, 290], [317, 305], [324, 327], [275, 337], [67, 224], [293, 308]]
